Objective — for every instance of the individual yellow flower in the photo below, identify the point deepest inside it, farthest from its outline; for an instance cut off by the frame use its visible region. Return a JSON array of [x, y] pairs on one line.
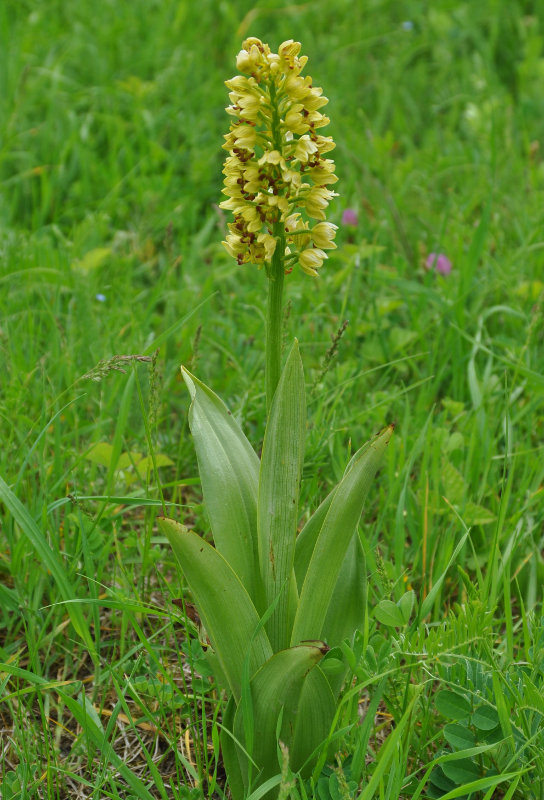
[[276, 176], [316, 201], [303, 149], [310, 260], [323, 234]]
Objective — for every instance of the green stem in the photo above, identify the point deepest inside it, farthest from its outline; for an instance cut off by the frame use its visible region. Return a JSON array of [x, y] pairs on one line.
[[274, 317], [276, 273]]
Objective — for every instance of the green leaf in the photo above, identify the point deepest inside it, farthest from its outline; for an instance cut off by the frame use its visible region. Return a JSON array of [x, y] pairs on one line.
[[455, 441], [455, 487], [348, 606], [50, 560], [100, 453], [406, 605], [307, 538], [230, 750], [439, 780], [127, 460], [93, 259], [459, 736], [279, 487], [334, 537], [316, 712], [388, 613], [145, 464], [485, 718], [462, 771], [275, 689], [226, 609], [229, 472], [474, 514], [452, 705]]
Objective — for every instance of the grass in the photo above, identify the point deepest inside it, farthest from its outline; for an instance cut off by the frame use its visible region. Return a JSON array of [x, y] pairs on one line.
[[110, 167]]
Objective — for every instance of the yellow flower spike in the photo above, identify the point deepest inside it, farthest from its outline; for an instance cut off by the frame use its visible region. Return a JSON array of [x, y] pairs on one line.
[[276, 176]]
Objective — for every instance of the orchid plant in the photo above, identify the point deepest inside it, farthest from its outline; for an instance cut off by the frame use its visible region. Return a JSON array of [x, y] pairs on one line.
[[274, 600]]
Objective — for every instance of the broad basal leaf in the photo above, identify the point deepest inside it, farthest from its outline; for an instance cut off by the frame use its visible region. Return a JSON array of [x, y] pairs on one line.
[[334, 537], [348, 606], [315, 717], [228, 614], [229, 472], [275, 689]]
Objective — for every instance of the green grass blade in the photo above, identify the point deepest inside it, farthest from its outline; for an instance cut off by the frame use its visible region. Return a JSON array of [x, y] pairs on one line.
[[427, 604], [91, 729], [489, 782], [50, 561], [279, 487], [229, 472], [387, 751], [120, 426], [226, 609], [334, 537]]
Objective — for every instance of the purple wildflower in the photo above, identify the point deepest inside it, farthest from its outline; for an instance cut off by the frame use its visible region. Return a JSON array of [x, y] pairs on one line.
[[349, 217], [439, 262]]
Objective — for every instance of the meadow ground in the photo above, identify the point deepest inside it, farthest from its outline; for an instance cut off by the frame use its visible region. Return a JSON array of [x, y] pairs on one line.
[[112, 275]]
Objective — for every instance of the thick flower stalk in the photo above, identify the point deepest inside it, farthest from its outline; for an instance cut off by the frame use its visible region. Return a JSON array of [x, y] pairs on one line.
[[277, 175]]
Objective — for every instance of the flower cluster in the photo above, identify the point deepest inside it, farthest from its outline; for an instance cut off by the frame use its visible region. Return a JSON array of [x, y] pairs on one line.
[[276, 176]]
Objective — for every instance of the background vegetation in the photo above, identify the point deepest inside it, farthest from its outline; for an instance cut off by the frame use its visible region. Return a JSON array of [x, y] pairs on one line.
[[112, 274]]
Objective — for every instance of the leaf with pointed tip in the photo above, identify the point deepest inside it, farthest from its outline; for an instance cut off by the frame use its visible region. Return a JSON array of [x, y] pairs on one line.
[[229, 473], [308, 536], [334, 537], [276, 689], [279, 487], [229, 616], [388, 613], [406, 605]]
